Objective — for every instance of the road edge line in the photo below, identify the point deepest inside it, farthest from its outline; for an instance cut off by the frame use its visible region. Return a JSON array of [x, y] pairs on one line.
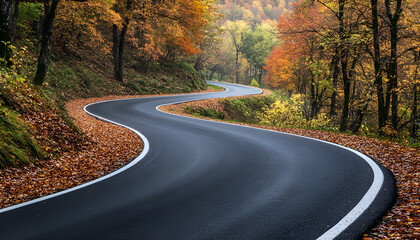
[[358, 209], [333, 232], [140, 157], [145, 150]]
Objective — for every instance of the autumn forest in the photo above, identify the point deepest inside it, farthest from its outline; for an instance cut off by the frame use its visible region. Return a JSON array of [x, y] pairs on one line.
[[345, 71], [353, 64]]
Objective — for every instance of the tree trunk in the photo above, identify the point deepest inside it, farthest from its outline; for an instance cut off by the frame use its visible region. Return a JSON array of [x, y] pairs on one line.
[[115, 49], [414, 116], [387, 95], [8, 15], [119, 75], [394, 76], [198, 65], [393, 63], [237, 67], [14, 21], [312, 99], [38, 30], [261, 69], [377, 64], [335, 70], [47, 32], [361, 113], [346, 88], [210, 77], [343, 60]]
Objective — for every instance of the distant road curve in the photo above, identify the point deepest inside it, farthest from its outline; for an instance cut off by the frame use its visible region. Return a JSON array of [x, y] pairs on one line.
[[200, 179]]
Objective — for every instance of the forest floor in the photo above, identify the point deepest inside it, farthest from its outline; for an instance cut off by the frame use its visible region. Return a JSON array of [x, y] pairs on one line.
[[400, 222]]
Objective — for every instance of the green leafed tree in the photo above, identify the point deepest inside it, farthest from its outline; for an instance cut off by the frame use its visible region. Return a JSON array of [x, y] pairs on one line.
[[237, 30], [257, 46]]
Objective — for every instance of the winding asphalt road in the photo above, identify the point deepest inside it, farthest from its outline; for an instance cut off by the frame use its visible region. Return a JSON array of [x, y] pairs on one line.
[[209, 180]]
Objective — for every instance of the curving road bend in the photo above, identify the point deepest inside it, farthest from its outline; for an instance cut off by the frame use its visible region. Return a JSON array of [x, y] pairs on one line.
[[209, 180]]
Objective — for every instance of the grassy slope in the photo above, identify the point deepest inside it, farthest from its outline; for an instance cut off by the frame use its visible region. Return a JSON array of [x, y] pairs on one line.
[[16, 145], [71, 79]]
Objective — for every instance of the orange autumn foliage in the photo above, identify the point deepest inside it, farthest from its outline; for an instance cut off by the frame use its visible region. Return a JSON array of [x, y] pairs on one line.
[[80, 24], [297, 35], [192, 26], [279, 67], [156, 28], [166, 28]]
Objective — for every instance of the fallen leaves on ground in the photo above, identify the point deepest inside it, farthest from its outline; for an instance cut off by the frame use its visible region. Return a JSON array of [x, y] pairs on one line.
[[104, 149], [403, 220], [109, 148]]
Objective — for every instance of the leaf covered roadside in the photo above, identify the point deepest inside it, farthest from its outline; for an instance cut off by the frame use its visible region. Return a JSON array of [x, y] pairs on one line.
[[403, 220], [72, 159], [107, 148]]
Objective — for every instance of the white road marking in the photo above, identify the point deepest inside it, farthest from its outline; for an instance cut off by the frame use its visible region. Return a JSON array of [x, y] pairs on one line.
[[132, 163], [361, 206], [146, 148], [333, 232]]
